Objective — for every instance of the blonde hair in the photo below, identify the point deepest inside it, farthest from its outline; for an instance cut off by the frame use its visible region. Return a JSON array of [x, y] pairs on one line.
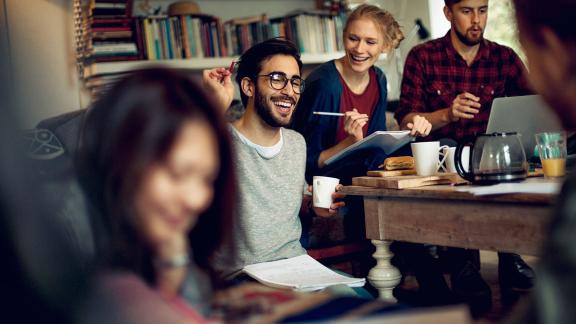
[[389, 27]]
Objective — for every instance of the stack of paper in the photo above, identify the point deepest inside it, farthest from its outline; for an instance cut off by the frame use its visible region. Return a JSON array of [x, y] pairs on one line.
[[300, 273]]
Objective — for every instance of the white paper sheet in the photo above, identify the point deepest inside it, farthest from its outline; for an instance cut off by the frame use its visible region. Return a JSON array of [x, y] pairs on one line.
[[550, 187], [300, 273]]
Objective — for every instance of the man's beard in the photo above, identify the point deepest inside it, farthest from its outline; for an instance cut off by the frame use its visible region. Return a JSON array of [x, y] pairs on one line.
[[467, 41], [265, 112]]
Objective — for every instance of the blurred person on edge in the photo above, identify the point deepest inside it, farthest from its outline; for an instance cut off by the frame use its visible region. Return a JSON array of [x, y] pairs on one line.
[[548, 36]]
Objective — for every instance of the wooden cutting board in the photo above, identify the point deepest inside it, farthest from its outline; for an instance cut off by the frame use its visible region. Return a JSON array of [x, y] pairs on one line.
[[390, 173], [407, 181]]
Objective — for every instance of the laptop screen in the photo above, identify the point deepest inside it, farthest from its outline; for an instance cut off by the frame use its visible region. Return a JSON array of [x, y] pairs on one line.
[[526, 115]]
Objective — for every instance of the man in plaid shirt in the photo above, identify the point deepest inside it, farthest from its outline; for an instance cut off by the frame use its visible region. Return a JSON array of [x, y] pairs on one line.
[[451, 81]]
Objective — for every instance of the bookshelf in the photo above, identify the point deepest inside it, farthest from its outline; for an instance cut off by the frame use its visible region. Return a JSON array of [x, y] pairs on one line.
[[95, 69], [217, 42]]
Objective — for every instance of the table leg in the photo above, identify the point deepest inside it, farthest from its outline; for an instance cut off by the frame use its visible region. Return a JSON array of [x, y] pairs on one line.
[[384, 276]]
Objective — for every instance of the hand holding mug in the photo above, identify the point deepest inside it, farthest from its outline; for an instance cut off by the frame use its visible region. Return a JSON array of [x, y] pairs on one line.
[[326, 197]]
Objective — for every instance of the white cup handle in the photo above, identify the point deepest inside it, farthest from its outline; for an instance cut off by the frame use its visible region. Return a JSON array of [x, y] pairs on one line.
[[444, 156]]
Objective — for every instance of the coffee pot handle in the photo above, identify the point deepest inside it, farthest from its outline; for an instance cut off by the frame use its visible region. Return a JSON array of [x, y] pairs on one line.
[[467, 175]]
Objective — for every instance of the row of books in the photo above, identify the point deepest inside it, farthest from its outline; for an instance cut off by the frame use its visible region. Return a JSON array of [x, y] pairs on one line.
[[198, 36], [180, 37], [109, 32], [318, 32], [110, 8]]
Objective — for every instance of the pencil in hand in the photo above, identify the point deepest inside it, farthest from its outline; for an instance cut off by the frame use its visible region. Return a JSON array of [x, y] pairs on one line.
[[325, 113]]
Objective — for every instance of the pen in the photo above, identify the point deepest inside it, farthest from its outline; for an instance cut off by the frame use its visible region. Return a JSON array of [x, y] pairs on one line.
[[323, 113], [231, 68]]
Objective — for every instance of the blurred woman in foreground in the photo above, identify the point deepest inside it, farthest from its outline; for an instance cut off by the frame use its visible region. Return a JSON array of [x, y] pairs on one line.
[[155, 163]]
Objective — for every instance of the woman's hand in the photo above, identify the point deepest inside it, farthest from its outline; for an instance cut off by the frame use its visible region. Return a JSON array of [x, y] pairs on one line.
[[171, 261], [353, 124], [419, 126]]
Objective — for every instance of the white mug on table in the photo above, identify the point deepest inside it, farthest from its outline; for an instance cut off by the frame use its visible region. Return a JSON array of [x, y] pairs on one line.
[[450, 163], [426, 157]]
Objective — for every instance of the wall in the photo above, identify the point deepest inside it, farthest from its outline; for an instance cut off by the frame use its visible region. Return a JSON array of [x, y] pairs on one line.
[[227, 9], [42, 58], [406, 12], [5, 90], [437, 19]]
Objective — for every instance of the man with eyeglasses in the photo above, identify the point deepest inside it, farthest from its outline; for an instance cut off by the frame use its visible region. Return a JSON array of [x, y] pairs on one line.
[[270, 159]]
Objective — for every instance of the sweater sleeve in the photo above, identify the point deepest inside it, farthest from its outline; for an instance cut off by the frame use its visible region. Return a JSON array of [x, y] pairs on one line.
[[378, 117]]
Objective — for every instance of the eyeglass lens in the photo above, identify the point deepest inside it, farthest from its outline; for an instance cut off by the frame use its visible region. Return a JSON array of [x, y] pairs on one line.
[[279, 81]]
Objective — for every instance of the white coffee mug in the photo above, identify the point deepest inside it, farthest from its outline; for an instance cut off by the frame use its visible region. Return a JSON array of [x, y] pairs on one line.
[[427, 157], [450, 163], [322, 189]]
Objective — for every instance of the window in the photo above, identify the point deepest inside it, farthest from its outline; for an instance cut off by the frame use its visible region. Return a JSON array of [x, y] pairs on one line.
[[501, 26]]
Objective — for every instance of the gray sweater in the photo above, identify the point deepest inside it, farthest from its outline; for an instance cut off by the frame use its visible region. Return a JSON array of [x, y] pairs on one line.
[[267, 226]]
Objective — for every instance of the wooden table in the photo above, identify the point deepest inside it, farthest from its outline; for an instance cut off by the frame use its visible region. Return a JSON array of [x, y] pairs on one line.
[[443, 216]]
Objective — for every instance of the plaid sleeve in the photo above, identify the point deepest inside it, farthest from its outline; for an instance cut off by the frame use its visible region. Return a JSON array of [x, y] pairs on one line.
[[412, 94]]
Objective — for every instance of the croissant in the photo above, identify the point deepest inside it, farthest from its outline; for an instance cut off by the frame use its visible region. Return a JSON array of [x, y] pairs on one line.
[[398, 163]]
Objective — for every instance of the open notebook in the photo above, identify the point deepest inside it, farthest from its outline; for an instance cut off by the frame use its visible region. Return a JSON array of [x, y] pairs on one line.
[[389, 141], [299, 273]]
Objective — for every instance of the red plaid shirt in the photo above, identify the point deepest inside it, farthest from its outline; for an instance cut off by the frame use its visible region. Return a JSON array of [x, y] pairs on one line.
[[434, 74]]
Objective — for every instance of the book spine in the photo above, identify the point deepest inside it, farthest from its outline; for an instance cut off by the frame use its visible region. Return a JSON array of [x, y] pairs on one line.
[[214, 36], [168, 38], [157, 39], [149, 39], [198, 37], [191, 37], [139, 38], [185, 37]]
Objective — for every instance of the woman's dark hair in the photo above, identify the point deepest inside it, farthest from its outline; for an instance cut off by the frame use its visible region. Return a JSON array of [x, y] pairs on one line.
[[557, 15], [250, 63], [130, 128]]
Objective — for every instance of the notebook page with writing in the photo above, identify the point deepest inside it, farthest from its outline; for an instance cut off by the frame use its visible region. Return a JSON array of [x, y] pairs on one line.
[[299, 273]]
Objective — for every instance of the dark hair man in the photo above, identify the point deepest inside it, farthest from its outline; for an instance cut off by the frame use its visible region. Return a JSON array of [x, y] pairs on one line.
[[270, 159]]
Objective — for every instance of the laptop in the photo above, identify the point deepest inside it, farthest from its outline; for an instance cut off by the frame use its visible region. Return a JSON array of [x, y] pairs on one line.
[[526, 115]]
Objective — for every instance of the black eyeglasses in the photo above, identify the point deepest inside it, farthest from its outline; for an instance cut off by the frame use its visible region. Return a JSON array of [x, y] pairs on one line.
[[279, 80]]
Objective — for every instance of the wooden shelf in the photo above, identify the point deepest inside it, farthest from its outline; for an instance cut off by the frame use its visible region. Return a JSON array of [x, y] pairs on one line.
[[96, 69]]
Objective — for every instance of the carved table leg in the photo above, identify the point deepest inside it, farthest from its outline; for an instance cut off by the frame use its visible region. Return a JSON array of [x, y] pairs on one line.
[[384, 276]]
